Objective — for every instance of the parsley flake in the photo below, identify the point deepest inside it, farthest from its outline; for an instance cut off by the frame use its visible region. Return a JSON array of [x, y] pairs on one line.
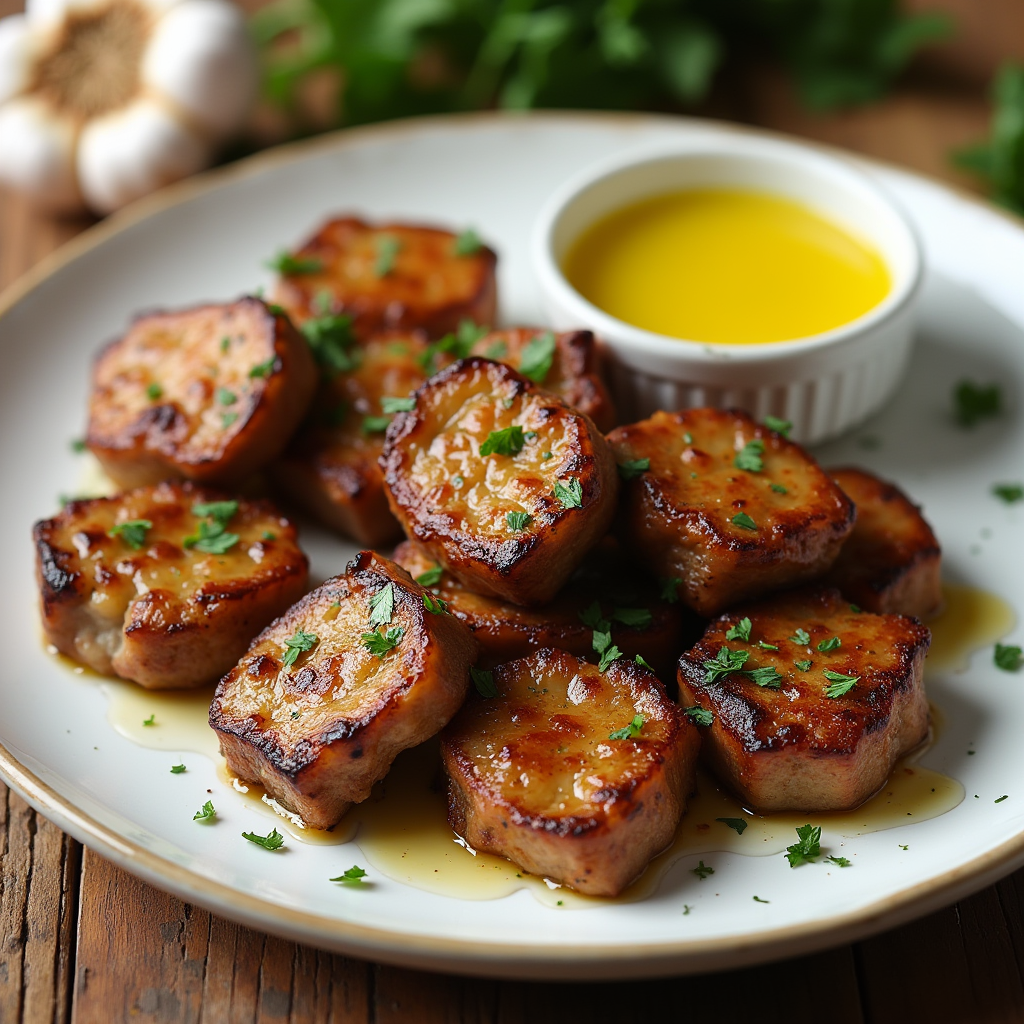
[[205, 813], [78, 445], [757, 899], [644, 663], [518, 520], [149, 721], [804, 666], [435, 605], [699, 715], [538, 355], [467, 243], [546, 455], [1007, 657], [782, 427], [388, 248], [739, 630], [508, 441], [391, 405], [221, 511], [830, 644], [569, 494], [840, 684], [431, 577], [749, 457], [297, 644], [267, 535], [263, 369], [132, 532], [330, 339], [973, 402], [609, 654], [154, 391], [670, 589], [702, 871], [382, 605], [354, 876], [211, 538], [483, 680], [1000, 799], [725, 663], [635, 618], [591, 616], [802, 637], [226, 397], [632, 468], [744, 521], [766, 676], [842, 862], [177, 769], [274, 841], [628, 732], [375, 424], [1010, 493], [767, 647], [778, 489], [738, 825], [225, 343], [379, 644], [291, 266], [227, 418], [808, 849]]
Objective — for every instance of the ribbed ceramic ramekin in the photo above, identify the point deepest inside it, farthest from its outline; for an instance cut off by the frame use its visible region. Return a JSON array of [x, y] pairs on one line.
[[824, 384]]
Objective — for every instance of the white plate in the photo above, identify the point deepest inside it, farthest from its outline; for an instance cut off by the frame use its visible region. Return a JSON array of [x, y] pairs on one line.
[[208, 240]]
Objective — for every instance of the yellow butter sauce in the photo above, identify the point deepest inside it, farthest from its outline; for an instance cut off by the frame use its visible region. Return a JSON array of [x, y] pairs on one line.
[[726, 266]]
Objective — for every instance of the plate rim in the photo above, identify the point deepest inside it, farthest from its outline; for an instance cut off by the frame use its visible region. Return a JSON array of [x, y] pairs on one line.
[[439, 953]]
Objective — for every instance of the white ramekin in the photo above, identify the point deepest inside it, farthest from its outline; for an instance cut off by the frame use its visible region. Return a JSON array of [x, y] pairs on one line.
[[825, 383]]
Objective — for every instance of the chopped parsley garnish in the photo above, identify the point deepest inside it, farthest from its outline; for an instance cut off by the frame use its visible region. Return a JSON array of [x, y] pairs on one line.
[[264, 369], [177, 769], [132, 532], [457, 481], [388, 248], [569, 494], [435, 605], [330, 339], [226, 397], [78, 445], [379, 644], [767, 647], [699, 715], [725, 663], [688, 438], [738, 825], [670, 589], [267, 535], [635, 618], [840, 684], [632, 468], [354, 876], [644, 663], [483, 680], [702, 871], [767, 676], [154, 391], [518, 520], [739, 630], [1000, 799], [808, 849], [609, 652], [375, 424], [276, 310], [297, 644], [591, 616], [431, 577], [804, 666], [973, 402], [1007, 657], [749, 456], [212, 538], [757, 899], [1010, 493], [205, 813], [779, 426], [802, 637], [467, 243], [744, 521], [391, 405], [272, 842], [628, 732], [458, 345], [842, 862], [496, 349], [382, 605], [778, 489], [227, 418], [538, 355], [830, 644], [508, 441], [225, 343], [289, 265], [149, 721], [221, 511]]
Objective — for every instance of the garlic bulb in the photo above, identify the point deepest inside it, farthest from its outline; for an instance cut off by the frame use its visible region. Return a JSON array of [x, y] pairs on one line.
[[102, 101]]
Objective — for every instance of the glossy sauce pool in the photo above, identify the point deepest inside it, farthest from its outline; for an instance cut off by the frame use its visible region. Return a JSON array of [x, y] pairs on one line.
[[402, 832], [726, 266]]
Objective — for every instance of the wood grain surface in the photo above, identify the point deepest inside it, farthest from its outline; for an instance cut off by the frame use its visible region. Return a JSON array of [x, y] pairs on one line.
[[83, 942]]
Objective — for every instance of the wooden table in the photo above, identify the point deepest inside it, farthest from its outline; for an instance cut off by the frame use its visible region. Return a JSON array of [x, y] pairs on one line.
[[82, 941]]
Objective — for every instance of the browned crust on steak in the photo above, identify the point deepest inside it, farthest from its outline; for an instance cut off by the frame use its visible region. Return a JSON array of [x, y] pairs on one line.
[[429, 286], [678, 516], [455, 502], [160, 407], [164, 616], [535, 777], [319, 733], [794, 748], [892, 561]]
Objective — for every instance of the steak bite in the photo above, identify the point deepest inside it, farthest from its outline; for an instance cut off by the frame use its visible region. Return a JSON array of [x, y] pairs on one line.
[[567, 363], [576, 775], [731, 509], [813, 702], [209, 394], [345, 680], [892, 560], [390, 276], [331, 466], [164, 585], [640, 622], [500, 481]]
